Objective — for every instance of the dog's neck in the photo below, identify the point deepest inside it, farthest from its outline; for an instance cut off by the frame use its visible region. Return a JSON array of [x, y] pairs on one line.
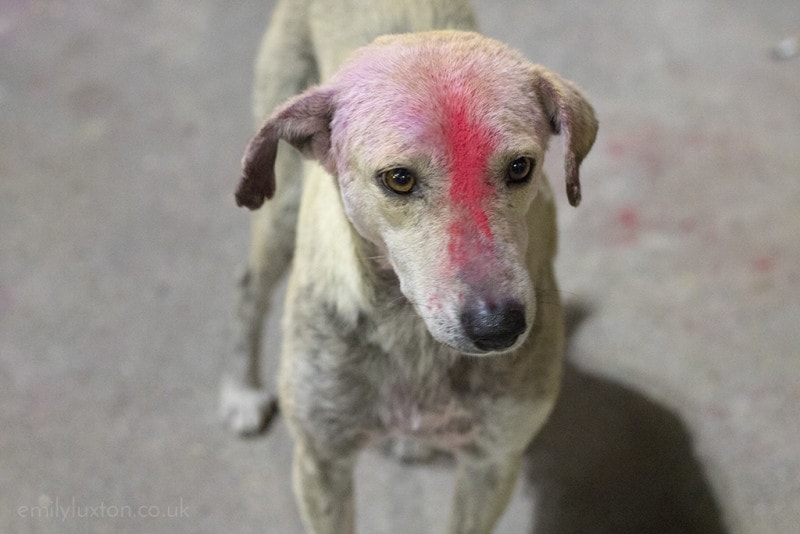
[[380, 279]]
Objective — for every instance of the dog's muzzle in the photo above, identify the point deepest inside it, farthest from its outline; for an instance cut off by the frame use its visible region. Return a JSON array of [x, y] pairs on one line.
[[493, 327]]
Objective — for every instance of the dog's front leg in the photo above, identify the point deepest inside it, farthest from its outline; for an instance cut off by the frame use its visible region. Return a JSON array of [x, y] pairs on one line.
[[324, 490], [484, 485]]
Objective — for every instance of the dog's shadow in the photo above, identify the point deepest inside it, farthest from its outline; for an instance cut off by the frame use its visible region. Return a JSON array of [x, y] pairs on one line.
[[610, 460]]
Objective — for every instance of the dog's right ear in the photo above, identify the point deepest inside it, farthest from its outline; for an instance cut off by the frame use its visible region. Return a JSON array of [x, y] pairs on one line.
[[304, 122]]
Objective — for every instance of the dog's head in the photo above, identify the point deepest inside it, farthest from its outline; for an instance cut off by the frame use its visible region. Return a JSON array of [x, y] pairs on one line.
[[437, 141]]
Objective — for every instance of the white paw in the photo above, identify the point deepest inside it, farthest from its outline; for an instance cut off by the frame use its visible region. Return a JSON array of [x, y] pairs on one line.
[[245, 410]]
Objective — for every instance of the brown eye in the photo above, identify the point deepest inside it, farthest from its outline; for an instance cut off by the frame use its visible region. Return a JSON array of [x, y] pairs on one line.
[[520, 170], [400, 180]]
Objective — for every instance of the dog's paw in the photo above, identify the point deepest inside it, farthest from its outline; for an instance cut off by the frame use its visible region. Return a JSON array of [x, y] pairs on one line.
[[409, 450], [245, 410]]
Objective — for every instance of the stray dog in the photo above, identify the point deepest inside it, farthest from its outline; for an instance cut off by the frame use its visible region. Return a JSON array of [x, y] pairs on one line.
[[422, 305]]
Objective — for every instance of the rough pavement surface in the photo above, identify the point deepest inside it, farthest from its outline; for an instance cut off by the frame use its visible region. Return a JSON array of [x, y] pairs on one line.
[[121, 129]]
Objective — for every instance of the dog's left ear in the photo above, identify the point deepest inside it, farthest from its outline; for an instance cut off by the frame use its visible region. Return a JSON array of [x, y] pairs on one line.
[[570, 114], [304, 122]]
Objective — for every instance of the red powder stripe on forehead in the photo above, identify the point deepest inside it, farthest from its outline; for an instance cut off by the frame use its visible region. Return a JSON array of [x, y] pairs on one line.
[[469, 146]]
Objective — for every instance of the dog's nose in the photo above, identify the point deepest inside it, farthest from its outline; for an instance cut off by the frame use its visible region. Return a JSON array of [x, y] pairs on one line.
[[494, 327]]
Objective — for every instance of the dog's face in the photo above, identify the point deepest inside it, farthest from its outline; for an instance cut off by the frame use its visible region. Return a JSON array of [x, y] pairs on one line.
[[438, 141]]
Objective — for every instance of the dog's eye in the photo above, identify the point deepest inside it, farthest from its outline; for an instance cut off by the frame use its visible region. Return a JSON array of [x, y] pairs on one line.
[[520, 170], [400, 180]]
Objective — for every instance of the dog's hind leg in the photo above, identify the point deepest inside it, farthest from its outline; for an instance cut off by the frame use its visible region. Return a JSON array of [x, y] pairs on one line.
[[285, 67]]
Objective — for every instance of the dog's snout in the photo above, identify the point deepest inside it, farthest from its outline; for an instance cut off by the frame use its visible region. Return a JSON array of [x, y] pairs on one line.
[[494, 327]]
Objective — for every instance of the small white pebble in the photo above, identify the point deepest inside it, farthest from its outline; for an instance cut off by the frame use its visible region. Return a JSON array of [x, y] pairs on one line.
[[787, 49]]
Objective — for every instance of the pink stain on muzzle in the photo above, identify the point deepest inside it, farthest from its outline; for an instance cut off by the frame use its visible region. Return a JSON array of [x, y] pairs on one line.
[[469, 145]]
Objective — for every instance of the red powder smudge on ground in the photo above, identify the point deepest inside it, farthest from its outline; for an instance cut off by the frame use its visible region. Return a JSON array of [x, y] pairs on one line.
[[764, 264], [689, 225], [628, 218], [629, 223], [616, 149]]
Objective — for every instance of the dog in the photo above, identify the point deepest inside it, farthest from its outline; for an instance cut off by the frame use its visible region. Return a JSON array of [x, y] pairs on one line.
[[422, 305]]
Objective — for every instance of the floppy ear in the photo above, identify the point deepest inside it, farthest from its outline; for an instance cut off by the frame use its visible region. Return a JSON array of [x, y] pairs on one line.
[[570, 114], [304, 122]]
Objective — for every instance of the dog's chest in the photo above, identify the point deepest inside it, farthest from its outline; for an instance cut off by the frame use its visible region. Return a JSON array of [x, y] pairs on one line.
[[420, 388], [431, 412]]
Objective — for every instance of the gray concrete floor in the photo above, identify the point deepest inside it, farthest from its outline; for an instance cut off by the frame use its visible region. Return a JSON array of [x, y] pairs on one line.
[[121, 129]]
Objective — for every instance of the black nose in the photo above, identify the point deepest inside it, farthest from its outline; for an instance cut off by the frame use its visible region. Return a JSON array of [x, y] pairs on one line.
[[493, 327]]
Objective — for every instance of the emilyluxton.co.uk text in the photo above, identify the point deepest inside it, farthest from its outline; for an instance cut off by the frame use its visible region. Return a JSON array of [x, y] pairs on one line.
[[61, 510]]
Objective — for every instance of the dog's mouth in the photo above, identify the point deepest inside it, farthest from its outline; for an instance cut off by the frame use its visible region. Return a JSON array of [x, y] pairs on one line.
[[470, 348]]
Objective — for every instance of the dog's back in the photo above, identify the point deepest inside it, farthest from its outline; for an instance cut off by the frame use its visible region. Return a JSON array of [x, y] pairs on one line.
[[362, 22], [299, 48]]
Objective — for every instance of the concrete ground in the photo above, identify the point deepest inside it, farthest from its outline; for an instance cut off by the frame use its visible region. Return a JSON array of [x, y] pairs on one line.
[[121, 129]]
